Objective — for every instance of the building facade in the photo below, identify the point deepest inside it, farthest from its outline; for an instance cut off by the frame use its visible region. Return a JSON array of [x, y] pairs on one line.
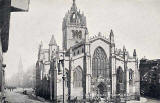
[[86, 66], [6, 7], [150, 77]]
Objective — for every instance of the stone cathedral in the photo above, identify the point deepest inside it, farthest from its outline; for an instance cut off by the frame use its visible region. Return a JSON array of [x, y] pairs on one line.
[[86, 67]]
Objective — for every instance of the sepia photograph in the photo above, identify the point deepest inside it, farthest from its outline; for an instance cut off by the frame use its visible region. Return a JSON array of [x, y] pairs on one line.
[[79, 51]]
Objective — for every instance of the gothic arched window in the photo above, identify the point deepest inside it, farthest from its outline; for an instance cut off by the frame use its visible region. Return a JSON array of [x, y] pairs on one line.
[[120, 75], [100, 63], [67, 78], [73, 18], [131, 76], [77, 77], [120, 81]]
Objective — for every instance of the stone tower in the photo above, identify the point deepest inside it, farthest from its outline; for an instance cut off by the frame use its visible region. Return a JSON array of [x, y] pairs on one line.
[[73, 27], [53, 48]]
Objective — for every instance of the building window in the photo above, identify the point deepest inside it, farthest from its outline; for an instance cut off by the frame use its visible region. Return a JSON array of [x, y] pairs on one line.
[[120, 81], [74, 53], [82, 50], [130, 76], [99, 63], [78, 52], [77, 77]]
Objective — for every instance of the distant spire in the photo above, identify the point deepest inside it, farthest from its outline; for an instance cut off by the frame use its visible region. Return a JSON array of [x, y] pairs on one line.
[[20, 66], [20, 63], [20, 73], [52, 41]]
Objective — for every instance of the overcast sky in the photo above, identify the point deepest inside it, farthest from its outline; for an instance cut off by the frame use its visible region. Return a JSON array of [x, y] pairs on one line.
[[135, 23]]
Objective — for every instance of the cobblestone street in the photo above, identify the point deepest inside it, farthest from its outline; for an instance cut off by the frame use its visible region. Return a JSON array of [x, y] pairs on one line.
[[16, 96], [145, 100]]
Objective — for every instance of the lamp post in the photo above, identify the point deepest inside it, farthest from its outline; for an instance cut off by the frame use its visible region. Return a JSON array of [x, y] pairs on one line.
[[63, 77]]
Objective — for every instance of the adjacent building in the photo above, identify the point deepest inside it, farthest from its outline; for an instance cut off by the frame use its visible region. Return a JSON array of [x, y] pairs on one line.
[[150, 77], [6, 7], [86, 67]]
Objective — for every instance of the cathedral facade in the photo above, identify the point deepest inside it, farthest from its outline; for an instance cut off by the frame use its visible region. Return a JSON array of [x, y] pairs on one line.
[[86, 67]]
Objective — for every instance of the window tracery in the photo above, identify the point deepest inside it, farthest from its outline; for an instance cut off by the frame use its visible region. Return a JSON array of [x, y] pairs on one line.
[[99, 63]]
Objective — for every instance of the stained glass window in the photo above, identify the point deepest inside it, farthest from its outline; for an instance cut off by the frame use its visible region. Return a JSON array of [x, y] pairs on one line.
[[99, 63]]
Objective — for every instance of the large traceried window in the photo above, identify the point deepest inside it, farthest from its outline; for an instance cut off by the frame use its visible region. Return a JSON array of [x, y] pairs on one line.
[[77, 77], [100, 63]]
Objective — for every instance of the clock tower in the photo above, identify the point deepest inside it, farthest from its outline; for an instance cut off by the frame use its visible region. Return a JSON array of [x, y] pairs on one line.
[[73, 27]]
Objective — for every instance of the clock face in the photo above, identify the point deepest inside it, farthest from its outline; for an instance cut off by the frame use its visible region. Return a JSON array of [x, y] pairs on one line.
[[77, 34]]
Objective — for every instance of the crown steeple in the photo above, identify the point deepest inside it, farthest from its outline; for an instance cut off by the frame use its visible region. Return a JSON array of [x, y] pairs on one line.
[[74, 27], [74, 7]]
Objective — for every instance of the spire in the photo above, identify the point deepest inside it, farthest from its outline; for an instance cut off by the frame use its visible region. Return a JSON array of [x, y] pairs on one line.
[[20, 73], [134, 53], [52, 41], [20, 64], [74, 7]]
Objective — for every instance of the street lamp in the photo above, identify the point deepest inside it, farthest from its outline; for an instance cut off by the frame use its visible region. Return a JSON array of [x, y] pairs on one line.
[[63, 77]]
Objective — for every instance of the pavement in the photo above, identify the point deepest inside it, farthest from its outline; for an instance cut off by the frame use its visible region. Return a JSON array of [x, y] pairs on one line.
[[16, 96], [145, 100]]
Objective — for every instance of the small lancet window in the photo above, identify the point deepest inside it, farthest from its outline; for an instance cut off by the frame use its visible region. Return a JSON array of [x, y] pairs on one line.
[[78, 52], [82, 50]]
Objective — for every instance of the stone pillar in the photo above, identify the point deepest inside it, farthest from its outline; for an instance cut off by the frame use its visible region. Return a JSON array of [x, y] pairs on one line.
[[113, 77], [70, 77], [88, 77], [89, 71], [127, 83], [113, 71], [53, 81]]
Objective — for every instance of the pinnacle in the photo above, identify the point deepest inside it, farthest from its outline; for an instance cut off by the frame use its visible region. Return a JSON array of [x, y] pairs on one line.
[[111, 33], [74, 7], [52, 41]]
